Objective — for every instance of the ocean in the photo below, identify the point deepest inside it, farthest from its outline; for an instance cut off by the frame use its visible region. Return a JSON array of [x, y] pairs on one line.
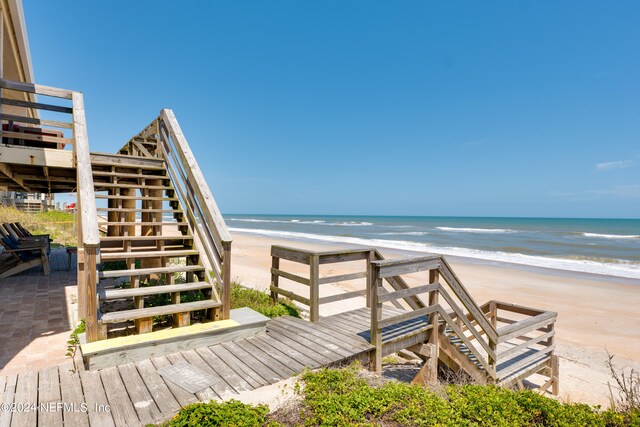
[[601, 246]]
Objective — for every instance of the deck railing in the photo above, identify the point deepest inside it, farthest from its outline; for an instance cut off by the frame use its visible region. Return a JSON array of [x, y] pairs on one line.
[[204, 218], [453, 311], [20, 115], [314, 259], [87, 217]]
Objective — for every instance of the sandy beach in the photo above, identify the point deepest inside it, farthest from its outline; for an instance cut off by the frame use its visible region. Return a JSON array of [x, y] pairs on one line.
[[595, 313]]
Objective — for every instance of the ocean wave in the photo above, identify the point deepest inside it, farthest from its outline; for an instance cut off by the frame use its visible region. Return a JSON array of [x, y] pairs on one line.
[[405, 233], [477, 230], [276, 221], [612, 236], [299, 221], [620, 268]]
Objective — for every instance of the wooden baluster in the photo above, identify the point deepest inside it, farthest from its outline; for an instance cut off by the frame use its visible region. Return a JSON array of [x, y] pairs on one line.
[[370, 278], [275, 279], [314, 276], [226, 280], [434, 318], [376, 317]]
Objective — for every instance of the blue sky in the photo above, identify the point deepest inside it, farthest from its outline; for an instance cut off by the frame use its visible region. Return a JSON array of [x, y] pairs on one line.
[[510, 108]]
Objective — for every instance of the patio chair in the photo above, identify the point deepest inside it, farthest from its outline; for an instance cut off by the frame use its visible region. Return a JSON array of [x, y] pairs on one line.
[[24, 254], [16, 230]]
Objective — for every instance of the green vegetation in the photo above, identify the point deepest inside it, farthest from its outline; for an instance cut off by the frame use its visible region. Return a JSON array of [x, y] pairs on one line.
[[346, 397], [231, 413], [74, 340], [59, 225], [261, 302]]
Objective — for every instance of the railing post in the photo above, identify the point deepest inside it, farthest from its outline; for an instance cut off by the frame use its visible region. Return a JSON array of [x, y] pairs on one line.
[[314, 291], [434, 339], [554, 364], [493, 313], [90, 276], [226, 280], [372, 257], [376, 316], [81, 287], [275, 279]]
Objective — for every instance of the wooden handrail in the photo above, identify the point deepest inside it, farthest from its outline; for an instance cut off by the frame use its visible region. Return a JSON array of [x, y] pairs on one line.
[[86, 194], [200, 207], [211, 213], [88, 233]]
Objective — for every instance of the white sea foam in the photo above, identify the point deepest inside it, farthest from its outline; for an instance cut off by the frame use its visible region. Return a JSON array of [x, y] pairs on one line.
[[298, 221], [405, 233], [612, 236], [622, 268], [477, 230]]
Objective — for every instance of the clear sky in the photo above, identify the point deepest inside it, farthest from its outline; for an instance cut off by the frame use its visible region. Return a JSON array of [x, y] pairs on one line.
[[469, 108]]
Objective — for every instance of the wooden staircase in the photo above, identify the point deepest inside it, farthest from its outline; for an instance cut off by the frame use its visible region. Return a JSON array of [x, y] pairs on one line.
[[147, 240], [164, 249]]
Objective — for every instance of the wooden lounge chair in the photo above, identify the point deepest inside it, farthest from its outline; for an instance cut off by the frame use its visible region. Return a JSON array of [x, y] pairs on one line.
[[19, 232], [24, 254]]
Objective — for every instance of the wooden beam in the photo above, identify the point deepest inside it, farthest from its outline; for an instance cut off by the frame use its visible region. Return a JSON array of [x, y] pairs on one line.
[[6, 169], [36, 156]]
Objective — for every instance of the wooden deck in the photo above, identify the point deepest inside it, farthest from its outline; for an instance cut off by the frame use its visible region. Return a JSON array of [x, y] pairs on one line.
[[136, 394]]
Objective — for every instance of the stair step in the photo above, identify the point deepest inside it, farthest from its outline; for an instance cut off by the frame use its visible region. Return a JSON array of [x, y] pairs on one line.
[[145, 271], [132, 185], [142, 223], [150, 254], [110, 294], [128, 175], [141, 313], [145, 248], [142, 238], [126, 161], [140, 210], [165, 199]]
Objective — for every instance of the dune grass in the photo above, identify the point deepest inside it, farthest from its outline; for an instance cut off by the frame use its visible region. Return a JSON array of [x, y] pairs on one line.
[[59, 225]]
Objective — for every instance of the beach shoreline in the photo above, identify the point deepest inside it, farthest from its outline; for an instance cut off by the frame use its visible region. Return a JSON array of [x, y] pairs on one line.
[[457, 258], [596, 313]]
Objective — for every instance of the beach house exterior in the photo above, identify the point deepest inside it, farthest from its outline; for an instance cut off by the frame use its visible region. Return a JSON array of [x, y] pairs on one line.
[[16, 65]]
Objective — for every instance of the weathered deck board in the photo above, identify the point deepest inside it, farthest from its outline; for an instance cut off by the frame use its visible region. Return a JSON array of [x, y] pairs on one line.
[[71, 391], [238, 383], [183, 397], [138, 395], [121, 405], [159, 391], [49, 394], [143, 402], [8, 398], [26, 393]]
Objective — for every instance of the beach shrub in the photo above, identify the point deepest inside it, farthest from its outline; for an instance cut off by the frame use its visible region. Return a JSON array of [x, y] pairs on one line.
[[261, 302], [347, 397], [628, 385], [230, 413], [350, 397]]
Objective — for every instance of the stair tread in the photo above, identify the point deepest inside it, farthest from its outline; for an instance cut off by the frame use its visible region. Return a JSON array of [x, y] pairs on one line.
[[140, 210], [132, 185], [144, 271], [149, 254], [128, 175], [99, 196], [108, 294], [142, 223], [119, 238], [141, 313]]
